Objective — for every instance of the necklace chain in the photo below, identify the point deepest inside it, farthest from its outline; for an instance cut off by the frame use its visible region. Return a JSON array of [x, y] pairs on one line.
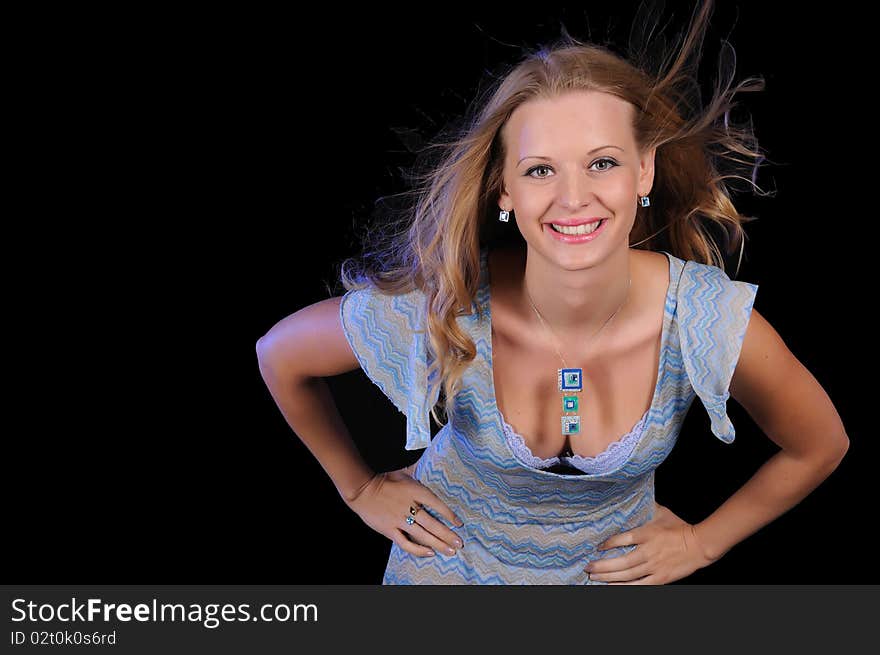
[[529, 296]]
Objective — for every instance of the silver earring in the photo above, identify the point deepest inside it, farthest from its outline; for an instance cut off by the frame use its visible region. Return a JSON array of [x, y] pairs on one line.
[[644, 201], [504, 216]]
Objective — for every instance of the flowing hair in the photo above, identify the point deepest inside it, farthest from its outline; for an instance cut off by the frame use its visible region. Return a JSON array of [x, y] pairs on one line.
[[433, 244]]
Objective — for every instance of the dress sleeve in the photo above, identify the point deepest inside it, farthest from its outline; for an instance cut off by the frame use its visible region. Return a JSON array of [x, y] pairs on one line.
[[713, 314], [389, 338]]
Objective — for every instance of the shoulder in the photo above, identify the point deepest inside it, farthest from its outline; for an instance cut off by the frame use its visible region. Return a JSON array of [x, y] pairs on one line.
[[699, 274], [712, 308], [386, 333], [710, 304], [707, 295], [656, 267], [377, 309], [712, 313]]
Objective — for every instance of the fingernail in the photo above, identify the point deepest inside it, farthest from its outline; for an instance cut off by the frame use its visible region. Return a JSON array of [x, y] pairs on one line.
[[458, 543], [430, 553], [451, 551]]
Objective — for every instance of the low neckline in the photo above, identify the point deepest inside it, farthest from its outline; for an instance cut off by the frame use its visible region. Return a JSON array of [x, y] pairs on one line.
[[486, 276], [585, 460]]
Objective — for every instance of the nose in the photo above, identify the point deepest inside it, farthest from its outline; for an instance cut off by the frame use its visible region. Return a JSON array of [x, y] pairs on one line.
[[576, 189]]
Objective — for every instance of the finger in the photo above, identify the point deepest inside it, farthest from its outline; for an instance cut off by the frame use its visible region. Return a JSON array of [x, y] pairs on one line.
[[623, 575], [412, 548], [447, 537], [628, 538], [425, 537], [427, 497], [618, 563]]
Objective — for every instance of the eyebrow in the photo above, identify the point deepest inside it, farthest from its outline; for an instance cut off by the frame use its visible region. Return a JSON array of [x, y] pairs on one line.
[[595, 150]]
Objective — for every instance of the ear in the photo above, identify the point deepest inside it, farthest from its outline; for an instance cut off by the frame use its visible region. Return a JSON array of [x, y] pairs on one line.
[[505, 201], [646, 172]]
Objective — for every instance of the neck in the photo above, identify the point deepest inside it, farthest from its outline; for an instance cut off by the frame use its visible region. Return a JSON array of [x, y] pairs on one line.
[[577, 304]]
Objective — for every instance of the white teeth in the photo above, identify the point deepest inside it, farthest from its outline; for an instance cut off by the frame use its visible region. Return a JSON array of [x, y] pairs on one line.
[[584, 228]]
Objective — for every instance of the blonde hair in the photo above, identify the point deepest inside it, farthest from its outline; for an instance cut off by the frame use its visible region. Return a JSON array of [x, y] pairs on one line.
[[434, 246]]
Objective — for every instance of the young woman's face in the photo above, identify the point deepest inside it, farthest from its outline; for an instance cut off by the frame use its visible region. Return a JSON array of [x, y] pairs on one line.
[[574, 157]]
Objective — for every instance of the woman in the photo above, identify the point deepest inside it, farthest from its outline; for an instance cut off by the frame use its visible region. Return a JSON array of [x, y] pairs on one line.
[[569, 359]]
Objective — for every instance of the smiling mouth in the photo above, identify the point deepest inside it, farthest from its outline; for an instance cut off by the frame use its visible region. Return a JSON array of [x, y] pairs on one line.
[[584, 228]]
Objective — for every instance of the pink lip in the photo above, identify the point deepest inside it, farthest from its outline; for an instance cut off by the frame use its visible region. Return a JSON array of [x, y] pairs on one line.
[[575, 238], [571, 222]]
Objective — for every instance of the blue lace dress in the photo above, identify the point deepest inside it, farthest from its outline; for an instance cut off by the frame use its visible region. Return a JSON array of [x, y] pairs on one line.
[[524, 523]]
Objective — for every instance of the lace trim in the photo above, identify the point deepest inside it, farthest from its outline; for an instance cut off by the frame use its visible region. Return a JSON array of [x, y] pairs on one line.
[[612, 457]]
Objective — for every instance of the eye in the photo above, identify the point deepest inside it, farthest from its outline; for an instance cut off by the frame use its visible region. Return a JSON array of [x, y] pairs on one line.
[[535, 168], [606, 160]]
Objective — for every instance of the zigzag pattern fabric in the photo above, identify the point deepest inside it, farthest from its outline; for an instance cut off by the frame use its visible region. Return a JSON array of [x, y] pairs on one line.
[[525, 525]]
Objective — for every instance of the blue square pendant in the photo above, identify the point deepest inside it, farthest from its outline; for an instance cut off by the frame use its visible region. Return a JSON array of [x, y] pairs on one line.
[[571, 424], [571, 379]]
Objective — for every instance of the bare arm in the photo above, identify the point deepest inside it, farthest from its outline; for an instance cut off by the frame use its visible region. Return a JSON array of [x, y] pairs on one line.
[[794, 411], [293, 357]]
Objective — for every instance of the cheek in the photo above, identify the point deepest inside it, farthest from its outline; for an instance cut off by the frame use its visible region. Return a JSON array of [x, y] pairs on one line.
[[538, 198], [622, 187], [530, 203]]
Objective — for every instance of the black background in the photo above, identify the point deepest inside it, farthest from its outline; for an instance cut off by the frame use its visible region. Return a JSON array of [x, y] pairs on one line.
[[192, 179]]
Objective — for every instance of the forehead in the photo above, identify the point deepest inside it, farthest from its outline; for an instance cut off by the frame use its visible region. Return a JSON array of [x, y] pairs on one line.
[[576, 119]]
